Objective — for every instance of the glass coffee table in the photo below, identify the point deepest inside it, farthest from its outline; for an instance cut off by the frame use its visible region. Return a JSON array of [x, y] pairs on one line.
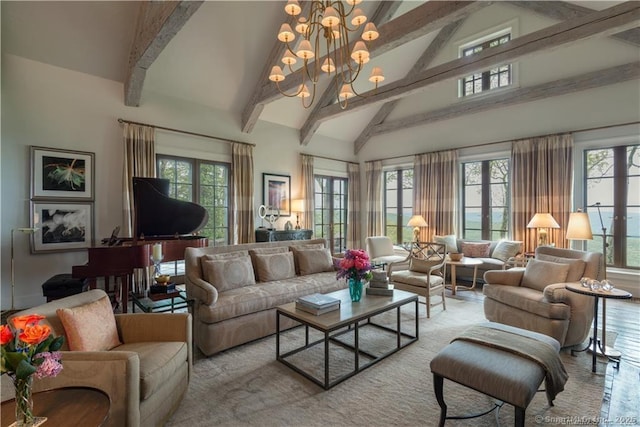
[[161, 302], [351, 318]]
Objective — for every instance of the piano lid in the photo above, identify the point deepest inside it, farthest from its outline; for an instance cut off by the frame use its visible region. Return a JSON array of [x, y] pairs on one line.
[[157, 214]]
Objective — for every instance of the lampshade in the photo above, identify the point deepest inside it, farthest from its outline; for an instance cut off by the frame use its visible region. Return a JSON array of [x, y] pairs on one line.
[[579, 227], [297, 205], [417, 221], [543, 220]]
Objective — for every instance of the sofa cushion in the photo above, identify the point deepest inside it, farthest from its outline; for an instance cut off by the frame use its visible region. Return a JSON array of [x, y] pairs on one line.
[[230, 273], [527, 299], [415, 278], [476, 249], [506, 249], [449, 241], [226, 255], [314, 261], [423, 265], [539, 274], [268, 250], [91, 326], [576, 266], [276, 266], [159, 361]]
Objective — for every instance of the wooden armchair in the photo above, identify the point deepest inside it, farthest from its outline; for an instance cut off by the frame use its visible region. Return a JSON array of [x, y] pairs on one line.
[[425, 274]]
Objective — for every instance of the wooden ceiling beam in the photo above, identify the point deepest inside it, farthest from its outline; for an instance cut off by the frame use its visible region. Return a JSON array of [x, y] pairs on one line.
[[563, 11], [559, 87], [606, 22], [158, 22]]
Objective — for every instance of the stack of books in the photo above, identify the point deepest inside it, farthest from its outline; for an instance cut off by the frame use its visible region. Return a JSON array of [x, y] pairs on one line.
[[317, 304], [379, 284]]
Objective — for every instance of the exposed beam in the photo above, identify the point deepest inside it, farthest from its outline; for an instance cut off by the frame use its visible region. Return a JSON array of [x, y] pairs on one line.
[[559, 87], [443, 37], [383, 13], [564, 11], [158, 22], [422, 20], [605, 22]]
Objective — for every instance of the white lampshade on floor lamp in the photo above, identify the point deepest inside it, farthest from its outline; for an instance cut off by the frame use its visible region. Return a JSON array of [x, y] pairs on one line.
[[416, 222], [26, 230], [543, 221]]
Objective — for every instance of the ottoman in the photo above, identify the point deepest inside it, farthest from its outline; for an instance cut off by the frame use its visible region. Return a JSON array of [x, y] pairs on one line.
[[501, 373], [63, 285]]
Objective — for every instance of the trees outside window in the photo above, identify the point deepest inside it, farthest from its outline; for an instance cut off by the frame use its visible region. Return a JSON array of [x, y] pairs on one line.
[[485, 199], [612, 178], [398, 205], [330, 212]]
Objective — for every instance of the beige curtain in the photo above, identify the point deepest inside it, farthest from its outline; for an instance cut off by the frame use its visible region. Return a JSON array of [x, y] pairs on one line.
[[139, 160], [375, 200], [434, 194], [541, 183], [354, 240], [243, 228], [307, 192]]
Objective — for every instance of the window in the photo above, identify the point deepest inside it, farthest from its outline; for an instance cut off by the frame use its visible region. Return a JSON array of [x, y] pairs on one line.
[[494, 78], [398, 205], [485, 199], [330, 216], [202, 182], [612, 179]]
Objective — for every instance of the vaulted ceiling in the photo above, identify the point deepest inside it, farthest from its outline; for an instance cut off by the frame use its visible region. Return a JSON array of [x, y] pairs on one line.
[[218, 54]]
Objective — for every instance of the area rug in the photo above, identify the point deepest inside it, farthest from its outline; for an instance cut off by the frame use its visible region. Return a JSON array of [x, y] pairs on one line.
[[246, 386]]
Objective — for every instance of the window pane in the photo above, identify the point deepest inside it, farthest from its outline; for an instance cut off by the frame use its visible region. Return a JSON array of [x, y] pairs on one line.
[[599, 163], [472, 173], [472, 219], [633, 191], [600, 190]]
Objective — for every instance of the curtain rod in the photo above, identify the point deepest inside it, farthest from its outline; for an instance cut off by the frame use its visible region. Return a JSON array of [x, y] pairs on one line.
[[510, 140], [230, 141], [329, 158]]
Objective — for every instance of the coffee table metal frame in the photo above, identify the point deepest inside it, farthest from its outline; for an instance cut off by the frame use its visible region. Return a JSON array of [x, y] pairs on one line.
[[343, 321]]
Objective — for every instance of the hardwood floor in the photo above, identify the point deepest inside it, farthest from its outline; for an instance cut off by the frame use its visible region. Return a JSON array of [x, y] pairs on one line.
[[621, 397]]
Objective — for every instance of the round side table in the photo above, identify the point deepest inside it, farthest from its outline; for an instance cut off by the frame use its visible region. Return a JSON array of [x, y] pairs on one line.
[[464, 262], [594, 342]]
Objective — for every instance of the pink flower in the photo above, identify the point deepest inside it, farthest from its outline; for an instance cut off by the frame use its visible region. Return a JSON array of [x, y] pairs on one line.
[[50, 366]]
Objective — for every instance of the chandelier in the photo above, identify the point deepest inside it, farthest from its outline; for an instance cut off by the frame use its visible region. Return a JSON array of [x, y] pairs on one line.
[[325, 33]]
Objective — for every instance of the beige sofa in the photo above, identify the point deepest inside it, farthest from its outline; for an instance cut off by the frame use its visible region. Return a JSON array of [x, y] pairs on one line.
[[536, 298], [145, 377], [237, 288]]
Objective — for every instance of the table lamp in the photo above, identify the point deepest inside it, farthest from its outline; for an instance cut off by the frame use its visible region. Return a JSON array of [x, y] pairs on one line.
[[416, 222], [297, 206], [26, 230], [543, 221], [579, 227]]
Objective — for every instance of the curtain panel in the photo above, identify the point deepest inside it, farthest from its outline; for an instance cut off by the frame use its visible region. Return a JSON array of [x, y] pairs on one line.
[[139, 161], [375, 223], [353, 192], [542, 182], [242, 194], [434, 195], [307, 192]]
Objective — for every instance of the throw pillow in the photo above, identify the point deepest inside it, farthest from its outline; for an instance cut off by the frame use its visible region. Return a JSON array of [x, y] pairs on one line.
[[449, 241], [422, 265], [227, 255], [476, 249], [272, 267], [576, 266], [232, 273], [539, 274], [90, 327], [506, 249], [314, 261]]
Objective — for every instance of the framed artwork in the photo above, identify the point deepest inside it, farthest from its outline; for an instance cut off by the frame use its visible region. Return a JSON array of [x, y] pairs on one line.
[[276, 194], [61, 174], [64, 226]]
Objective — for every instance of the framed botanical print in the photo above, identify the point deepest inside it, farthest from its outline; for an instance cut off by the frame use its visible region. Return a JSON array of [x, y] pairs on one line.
[[64, 226], [61, 174], [276, 194]]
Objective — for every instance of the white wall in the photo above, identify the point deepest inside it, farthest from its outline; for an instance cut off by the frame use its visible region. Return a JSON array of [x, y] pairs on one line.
[[49, 106]]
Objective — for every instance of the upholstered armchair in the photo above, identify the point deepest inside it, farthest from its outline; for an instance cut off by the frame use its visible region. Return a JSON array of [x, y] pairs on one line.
[[145, 374], [424, 275], [382, 250], [535, 297]]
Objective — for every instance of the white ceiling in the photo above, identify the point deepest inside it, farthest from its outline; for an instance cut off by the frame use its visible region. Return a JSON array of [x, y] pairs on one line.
[[215, 60]]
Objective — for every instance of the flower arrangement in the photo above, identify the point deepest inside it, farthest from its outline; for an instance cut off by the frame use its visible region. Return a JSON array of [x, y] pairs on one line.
[[28, 350], [355, 265]]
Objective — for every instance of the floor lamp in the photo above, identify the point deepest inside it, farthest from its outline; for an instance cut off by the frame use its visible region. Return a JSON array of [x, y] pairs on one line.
[[26, 230]]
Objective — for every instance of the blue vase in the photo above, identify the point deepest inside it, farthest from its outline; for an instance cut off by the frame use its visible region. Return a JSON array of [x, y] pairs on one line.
[[355, 289]]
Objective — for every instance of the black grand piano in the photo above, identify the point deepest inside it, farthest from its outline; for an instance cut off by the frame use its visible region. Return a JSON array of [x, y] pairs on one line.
[[158, 218]]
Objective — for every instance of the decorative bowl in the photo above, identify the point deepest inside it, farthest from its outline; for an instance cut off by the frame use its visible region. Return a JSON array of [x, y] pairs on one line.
[[163, 278], [455, 256]]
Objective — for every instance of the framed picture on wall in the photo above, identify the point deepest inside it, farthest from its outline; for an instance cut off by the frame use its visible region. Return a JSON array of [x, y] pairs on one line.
[[276, 194], [61, 174], [64, 226]]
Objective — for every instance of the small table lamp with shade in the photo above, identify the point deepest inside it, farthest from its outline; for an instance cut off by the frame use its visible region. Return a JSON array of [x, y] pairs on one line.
[[297, 206], [543, 221], [416, 222]]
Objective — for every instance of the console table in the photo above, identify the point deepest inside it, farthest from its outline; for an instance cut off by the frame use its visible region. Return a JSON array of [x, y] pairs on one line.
[[266, 235]]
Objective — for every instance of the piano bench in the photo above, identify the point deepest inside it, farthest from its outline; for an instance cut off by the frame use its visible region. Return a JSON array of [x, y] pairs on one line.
[[63, 285]]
